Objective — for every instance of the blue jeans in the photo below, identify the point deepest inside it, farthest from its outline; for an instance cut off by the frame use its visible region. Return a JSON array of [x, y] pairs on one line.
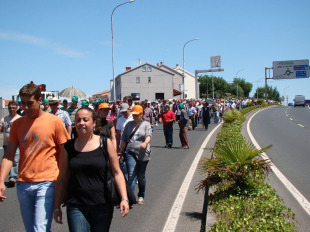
[[36, 202], [136, 169], [14, 170], [89, 218], [216, 117], [168, 130]]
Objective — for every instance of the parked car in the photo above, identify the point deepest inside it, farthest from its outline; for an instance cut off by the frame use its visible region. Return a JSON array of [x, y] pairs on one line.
[[299, 100]]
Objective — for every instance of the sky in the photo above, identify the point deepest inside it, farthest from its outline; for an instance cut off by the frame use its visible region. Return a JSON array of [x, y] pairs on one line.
[[65, 43]]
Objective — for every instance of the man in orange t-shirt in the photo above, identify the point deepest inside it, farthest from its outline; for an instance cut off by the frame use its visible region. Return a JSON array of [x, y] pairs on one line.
[[40, 137]]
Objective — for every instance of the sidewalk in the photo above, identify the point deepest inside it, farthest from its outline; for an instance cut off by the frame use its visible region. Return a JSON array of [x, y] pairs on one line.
[[192, 216]]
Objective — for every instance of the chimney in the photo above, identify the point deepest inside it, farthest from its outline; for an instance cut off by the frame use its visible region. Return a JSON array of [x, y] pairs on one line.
[[128, 68], [161, 63], [177, 65], [157, 64]]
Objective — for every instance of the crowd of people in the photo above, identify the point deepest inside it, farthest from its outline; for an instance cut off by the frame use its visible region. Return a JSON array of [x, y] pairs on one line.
[[53, 152]]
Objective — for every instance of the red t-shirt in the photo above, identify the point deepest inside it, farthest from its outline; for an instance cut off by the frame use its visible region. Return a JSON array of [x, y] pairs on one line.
[[166, 116]]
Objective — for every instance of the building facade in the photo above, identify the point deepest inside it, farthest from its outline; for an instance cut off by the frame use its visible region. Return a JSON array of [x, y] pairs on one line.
[[152, 82]]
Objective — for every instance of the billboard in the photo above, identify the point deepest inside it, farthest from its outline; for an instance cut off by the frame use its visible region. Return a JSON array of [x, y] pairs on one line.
[[215, 61], [290, 69]]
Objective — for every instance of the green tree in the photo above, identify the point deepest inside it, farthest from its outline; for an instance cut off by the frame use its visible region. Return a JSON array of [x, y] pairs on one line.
[[273, 93], [244, 86], [220, 86]]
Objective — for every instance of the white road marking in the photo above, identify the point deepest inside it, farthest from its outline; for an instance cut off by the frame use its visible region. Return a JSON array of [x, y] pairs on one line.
[[175, 211], [290, 187], [301, 125], [291, 119]]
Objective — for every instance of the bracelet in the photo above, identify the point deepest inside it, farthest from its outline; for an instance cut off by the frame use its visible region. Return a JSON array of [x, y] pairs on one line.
[[57, 210], [125, 199]]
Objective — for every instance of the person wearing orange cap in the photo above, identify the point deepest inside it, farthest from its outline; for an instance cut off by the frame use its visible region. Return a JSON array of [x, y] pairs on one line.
[[135, 145], [103, 126]]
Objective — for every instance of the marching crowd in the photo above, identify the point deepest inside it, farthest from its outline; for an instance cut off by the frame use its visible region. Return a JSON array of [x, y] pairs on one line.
[[54, 153]]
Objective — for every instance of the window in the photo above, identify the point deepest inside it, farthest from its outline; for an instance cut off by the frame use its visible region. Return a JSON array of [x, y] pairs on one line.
[[149, 79], [144, 69], [137, 79], [135, 96], [149, 69]]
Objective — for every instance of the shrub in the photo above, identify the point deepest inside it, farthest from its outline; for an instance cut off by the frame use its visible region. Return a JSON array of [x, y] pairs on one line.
[[242, 200], [231, 115]]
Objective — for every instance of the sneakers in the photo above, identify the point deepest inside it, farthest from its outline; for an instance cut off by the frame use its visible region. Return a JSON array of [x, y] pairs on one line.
[[140, 201], [169, 145]]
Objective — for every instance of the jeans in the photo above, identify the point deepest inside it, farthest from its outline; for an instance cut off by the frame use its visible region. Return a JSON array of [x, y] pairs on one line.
[[14, 170], [168, 130], [216, 117], [36, 202], [89, 218], [136, 169]]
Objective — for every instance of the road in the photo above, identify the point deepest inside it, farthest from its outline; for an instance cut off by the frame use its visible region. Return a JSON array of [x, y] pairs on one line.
[[165, 174], [288, 130]]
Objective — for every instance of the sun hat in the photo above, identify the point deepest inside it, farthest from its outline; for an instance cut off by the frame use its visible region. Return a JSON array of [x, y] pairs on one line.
[[53, 100], [123, 107], [85, 103], [104, 106], [181, 106], [137, 109], [75, 98]]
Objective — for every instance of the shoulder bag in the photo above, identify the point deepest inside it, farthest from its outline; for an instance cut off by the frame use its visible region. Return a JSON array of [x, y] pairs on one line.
[[112, 192]]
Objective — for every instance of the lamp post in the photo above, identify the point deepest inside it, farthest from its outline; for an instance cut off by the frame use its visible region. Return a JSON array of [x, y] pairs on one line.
[[130, 1], [237, 80], [183, 79]]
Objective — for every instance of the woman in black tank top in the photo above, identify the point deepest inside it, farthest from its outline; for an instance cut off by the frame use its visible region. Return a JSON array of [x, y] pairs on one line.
[[83, 168]]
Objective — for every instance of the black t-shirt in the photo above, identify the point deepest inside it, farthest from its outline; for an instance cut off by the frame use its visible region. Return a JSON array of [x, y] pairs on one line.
[[87, 174]]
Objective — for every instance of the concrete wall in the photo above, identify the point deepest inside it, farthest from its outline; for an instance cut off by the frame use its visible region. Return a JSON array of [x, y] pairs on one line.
[[161, 82], [189, 83]]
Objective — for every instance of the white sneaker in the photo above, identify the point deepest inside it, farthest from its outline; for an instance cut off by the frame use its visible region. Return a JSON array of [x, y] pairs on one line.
[[140, 201]]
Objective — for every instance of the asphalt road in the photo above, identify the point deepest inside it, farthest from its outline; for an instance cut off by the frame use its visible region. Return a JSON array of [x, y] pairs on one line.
[[288, 130], [165, 174]]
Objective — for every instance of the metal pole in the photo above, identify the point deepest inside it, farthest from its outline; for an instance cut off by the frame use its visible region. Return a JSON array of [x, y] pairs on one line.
[[212, 87], [266, 94], [114, 96], [237, 80], [183, 79]]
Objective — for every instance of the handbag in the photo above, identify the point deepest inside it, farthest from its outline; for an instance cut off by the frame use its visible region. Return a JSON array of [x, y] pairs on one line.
[[131, 135], [112, 192]]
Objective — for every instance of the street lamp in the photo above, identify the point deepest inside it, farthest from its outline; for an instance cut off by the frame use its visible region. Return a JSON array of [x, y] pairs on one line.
[[237, 80], [130, 1], [183, 79]]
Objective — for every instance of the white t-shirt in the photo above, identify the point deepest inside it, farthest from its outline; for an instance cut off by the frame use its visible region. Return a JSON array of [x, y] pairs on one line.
[[121, 123], [6, 124]]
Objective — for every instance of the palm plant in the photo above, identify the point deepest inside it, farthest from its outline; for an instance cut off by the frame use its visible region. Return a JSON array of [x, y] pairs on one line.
[[234, 164]]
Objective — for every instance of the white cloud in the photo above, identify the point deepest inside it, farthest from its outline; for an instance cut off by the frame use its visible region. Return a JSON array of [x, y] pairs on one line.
[[25, 38], [69, 52]]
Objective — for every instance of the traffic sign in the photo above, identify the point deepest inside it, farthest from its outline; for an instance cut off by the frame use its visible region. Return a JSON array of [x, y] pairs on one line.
[[290, 69]]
